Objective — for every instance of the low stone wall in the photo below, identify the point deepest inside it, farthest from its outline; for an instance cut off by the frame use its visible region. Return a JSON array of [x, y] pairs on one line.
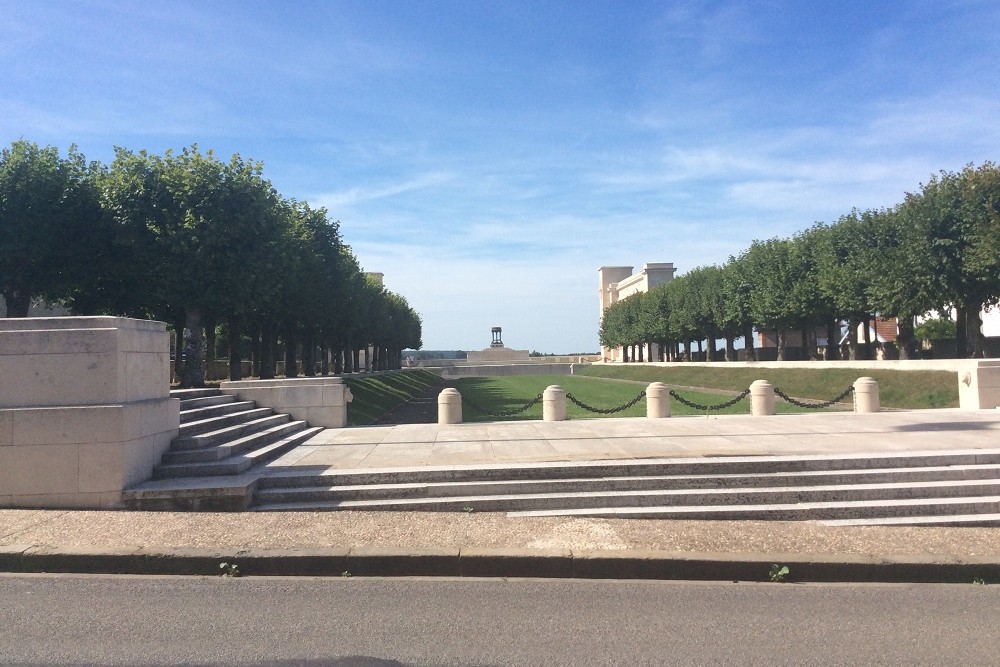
[[486, 370], [321, 401], [978, 379], [84, 409]]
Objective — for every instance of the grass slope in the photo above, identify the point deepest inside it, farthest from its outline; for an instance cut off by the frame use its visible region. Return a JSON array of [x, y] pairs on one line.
[[375, 395], [897, 389], [499, 394]]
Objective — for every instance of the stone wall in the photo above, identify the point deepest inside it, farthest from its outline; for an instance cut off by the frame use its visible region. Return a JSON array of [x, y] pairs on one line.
[[84, 409]]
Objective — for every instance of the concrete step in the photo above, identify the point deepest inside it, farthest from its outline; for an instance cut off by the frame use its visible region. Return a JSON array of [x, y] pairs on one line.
[[238, 463], [193, 403], [239, 445], [212, 424], [338, 490], [224, 435], [718, 467], [671, 497], [818, 511], [202, 413], [940, 521], [185, 394]]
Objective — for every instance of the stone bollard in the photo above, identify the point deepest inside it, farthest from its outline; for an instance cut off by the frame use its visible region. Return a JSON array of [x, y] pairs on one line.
[[866, 395], [657, 401], [554, 404], [761, 398], [449, 406]]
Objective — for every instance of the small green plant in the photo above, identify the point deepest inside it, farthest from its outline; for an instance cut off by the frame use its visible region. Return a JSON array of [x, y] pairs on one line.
[[778, 573], [229, 569], [979, 581], [345, 573], [468, 509]]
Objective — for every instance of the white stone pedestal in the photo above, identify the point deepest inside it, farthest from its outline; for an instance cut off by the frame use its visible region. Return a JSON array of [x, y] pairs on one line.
[[84, 409]]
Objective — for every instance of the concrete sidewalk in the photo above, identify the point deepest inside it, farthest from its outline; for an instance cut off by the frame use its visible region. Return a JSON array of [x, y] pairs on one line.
[[488, 544]]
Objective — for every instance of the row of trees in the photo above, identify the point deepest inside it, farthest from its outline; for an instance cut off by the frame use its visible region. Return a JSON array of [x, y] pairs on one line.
[[937, 250], [200, 243]]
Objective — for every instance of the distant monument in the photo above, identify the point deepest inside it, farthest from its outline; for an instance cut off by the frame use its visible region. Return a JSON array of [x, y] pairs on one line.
[[497, 351]]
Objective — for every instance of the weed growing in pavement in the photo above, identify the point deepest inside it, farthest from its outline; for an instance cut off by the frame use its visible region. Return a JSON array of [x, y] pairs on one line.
[[229, 569], [468, 509], [345, 573], [778, 573], [979, 581]]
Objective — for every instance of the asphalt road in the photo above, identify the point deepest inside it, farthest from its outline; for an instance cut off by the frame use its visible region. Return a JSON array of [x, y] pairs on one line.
[[357, 621]]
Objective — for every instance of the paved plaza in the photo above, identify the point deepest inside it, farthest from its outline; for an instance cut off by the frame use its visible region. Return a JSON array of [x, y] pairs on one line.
[[503, 443]]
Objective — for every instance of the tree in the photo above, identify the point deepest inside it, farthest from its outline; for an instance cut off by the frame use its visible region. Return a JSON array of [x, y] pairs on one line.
[[48, 206]]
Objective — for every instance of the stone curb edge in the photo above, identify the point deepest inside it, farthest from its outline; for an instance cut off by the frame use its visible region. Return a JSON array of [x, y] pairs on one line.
[[481, 562]]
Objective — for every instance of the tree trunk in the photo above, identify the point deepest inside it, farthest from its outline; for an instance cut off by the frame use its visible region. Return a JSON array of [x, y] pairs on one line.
[[781, 342], [291, 360], [832, 341], [852, 338], [961, 332], [325, 358], [209, 347], [194, 350], [235, 351], [18, 303], [806, 347], [356, 360], [904, 339], [748, 344], [687, 350], [730, 348], [974, 330], [309, 353], [267, 356], [178, 350], [868, 323], [255, 352]]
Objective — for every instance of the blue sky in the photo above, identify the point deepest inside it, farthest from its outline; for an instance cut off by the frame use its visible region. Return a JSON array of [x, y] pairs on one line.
[[489, 157]]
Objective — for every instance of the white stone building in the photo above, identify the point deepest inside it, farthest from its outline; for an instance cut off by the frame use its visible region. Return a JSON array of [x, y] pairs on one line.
[[619, 282]]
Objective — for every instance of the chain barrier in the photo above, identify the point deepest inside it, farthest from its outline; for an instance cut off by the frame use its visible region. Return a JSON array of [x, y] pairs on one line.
[[609, 411], [824, 404], [505, 413], [707, 408]]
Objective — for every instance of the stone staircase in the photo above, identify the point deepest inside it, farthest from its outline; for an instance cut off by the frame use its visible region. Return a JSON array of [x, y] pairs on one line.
[[221, 435], [933, 488]]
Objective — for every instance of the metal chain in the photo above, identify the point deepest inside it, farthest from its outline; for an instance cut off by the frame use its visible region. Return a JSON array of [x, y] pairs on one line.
[[824, 404], [610, 411], [505, 413], [707, 408]]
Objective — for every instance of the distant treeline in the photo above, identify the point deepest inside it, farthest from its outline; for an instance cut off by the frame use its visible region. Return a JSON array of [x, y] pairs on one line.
[[937, 250], [199, 243]]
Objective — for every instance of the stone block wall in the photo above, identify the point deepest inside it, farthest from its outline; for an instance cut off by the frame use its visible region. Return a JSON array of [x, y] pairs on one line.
[[84, 409], [321, 401]]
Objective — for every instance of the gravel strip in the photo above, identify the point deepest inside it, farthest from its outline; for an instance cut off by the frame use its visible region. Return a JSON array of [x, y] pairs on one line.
[[288, 530]]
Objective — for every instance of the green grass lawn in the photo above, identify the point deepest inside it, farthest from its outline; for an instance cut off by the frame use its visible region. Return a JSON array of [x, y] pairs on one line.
[[897, 389], [499, 394], [376, 395]]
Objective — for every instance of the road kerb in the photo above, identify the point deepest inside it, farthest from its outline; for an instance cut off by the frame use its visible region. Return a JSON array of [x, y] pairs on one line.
[[513, 563]]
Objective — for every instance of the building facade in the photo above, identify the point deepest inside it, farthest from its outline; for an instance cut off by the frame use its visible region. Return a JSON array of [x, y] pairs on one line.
[[619, 282]]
